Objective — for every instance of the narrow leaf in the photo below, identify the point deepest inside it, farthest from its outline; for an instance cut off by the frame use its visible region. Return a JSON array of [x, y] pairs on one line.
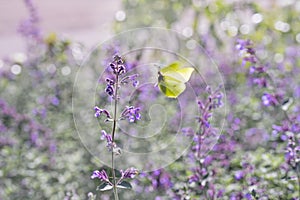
[[104, 187], [124, 185]]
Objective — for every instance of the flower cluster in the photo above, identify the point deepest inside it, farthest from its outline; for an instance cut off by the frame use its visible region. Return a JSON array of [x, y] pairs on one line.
[[118, 65], [102, 175], [292, 155], [131, 113], [213, 101], [257, 73], [288, 131], [269, 99], [99, 111], [246, 51], [118, 68], [289, 128], [132, 78], [129, 173], [38, 135]]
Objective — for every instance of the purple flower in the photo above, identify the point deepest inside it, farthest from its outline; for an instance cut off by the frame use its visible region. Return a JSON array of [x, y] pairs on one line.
[[100, 175], [239, 175], [208, 160], [129, 173], [194, 178], [247, 51], [55, 101], [243, 44], [220, 193], [106, 136], [109, 90], [252, 69], [132, 78], [188, 131], [110, 81], [112, 146], [118, 65], [248, 196], [269, 99], [99, 111], [52, 147], [261, 81], [135, 82], [131, 113]]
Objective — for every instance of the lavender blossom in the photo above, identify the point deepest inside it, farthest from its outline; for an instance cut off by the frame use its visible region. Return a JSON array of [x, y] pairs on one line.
[[118, 65], [110, 144], [132, 79], [100, 175], [246, 51], [131, 113], [129, 173], [239, 175], [99, 111], [109, 90], [29, 27], [114, 82], [106, 136], [269, 99]]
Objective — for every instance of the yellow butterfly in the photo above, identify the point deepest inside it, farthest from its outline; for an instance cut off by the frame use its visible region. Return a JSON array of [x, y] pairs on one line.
[[172, 79]]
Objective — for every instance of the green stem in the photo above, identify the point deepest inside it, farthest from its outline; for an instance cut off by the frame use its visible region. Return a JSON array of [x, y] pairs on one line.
[[113, 138], [114, 177], [196, 21]]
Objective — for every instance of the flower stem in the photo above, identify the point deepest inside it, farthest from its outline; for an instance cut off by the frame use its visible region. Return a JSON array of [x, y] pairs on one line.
[[113, 138], [114, 177]]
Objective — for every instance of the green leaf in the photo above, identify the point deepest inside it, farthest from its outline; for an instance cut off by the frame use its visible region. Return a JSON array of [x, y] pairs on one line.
[[104, 187], [124, 185]]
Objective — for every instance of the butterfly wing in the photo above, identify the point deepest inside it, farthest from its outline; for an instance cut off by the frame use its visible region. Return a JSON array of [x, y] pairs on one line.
[[172, 79], [172, 67], [185, 73], [171, 87]]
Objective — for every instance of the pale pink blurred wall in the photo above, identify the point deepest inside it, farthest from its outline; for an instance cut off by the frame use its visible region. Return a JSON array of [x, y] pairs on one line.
[[87, 21]]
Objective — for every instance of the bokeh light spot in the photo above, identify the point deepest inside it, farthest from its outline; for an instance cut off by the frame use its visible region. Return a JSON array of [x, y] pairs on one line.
[[66, 70], [120, 16], [16, 69]]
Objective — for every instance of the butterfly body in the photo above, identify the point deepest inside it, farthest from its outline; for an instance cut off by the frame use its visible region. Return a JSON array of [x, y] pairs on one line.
[[172, 79]]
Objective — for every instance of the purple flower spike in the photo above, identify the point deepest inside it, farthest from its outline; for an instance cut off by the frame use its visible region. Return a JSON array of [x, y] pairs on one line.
[[100, 175], [118, 65]]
